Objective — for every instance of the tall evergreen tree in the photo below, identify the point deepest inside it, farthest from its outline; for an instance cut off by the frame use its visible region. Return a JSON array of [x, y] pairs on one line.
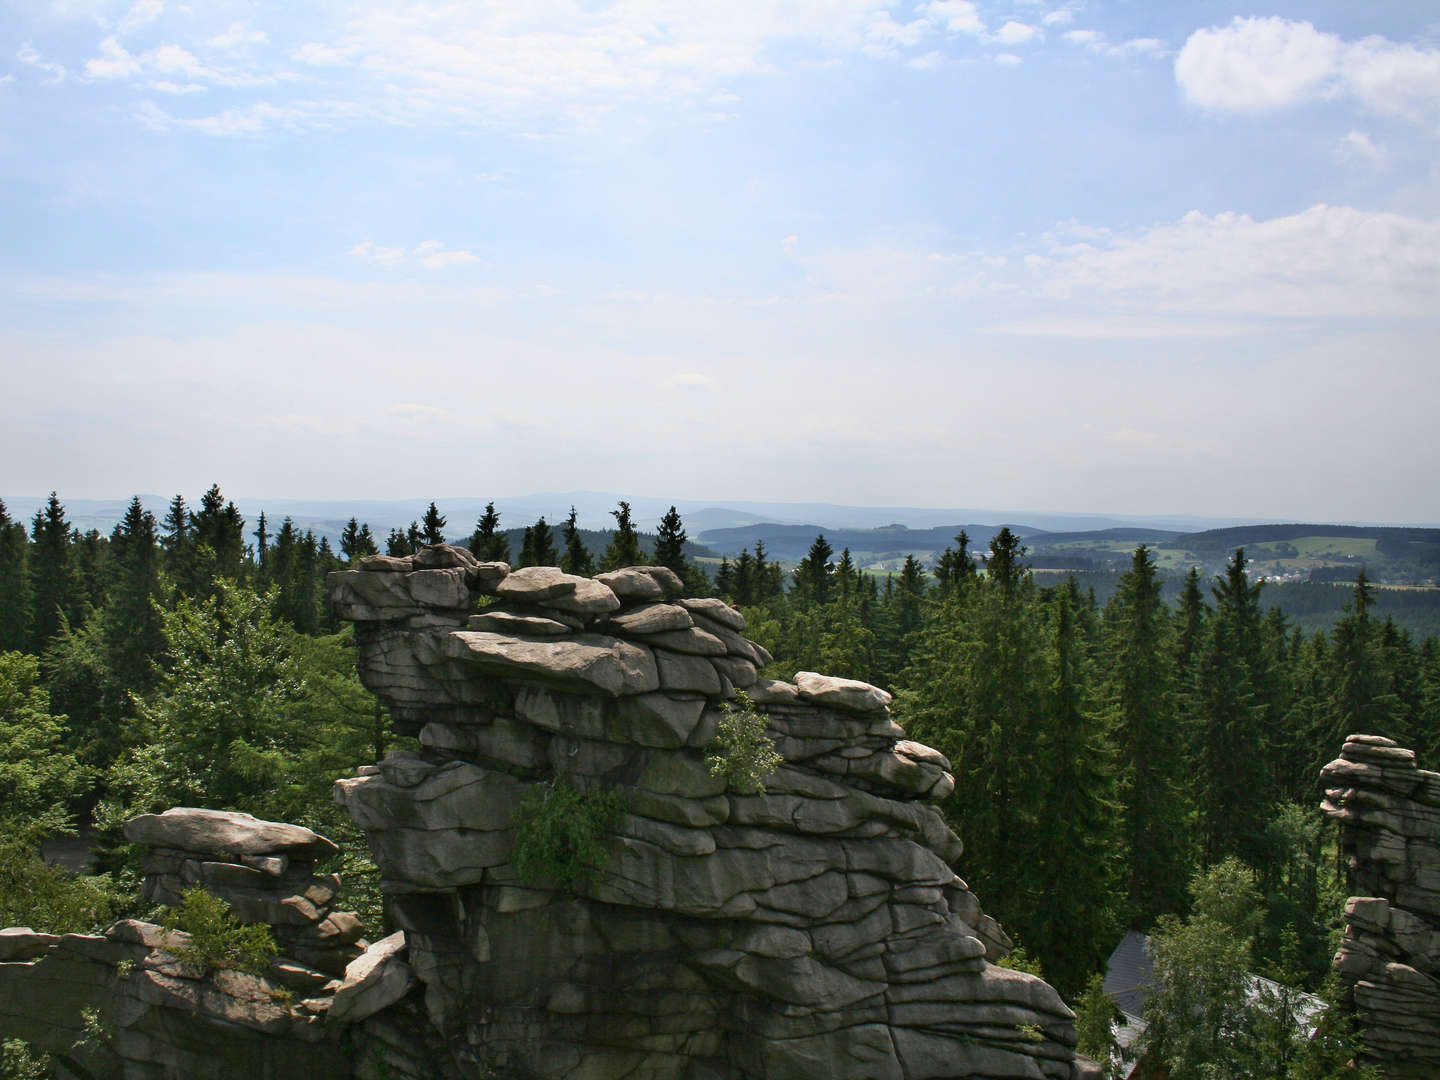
[[1361, 702], [50, 573], [1138, 697], [356, 541], [262, 541], [1078, 820], [624, 546], [134, 634], [178, 545], [1233, 786], [397, 545], [670, 542], [812, 574], [539, 545], [432, 527], [487, 542], [955, 568], [577, 558], [15, 601], [218, 530]]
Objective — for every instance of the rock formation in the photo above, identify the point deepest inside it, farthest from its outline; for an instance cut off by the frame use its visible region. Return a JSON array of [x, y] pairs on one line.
[[813, 929], [1388, 810], [817, 929]]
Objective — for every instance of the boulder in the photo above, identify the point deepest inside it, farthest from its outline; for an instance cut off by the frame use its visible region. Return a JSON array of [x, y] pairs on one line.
[[225, 834]]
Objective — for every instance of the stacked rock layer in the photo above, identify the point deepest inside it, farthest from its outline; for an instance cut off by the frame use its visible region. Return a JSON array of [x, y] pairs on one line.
[[1388, 810], [817, 929], [265, 871]]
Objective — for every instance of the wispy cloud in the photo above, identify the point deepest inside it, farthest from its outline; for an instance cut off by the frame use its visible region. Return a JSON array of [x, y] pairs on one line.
[[431, 254], [27, 54]]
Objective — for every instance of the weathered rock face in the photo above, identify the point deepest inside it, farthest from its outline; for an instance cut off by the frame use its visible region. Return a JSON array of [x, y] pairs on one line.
[[816, 930], [152, 1015], [1388, 810]]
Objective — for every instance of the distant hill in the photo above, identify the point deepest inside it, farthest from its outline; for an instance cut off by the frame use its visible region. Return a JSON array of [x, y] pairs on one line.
[[792, 542]]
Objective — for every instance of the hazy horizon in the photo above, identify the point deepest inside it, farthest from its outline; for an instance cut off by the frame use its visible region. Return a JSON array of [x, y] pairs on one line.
[[1045, 253]]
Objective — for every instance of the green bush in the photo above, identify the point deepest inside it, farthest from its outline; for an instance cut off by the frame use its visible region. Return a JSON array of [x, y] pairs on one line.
[[217, 940], [46, 898], [19, 1061], [559, 832], [742, 753]]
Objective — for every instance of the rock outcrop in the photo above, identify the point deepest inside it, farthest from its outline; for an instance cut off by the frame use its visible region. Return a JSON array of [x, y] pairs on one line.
[[817, 929], [1388, 810], [813, 929]]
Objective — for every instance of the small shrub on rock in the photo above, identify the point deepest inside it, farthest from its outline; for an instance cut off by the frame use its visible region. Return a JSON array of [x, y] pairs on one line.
[[218, 941], [559, 833], [742, 753]]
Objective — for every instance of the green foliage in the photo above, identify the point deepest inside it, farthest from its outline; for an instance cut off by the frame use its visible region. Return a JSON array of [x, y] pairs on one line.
[[1019, 959], [1096, 1015], [46, 898], [742, 754], [19, 1061], [560, 833], [624, 546], [218, 941], [37, 777]]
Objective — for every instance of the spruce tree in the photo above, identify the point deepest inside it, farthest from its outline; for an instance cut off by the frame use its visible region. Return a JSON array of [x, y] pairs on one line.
[[134, 635], [624, 546], [1233, 787], [670, 542], [577, 558], [218, 530], [178, 545], [15, 602], [356, 541], [1082, 850], [432, 527], [542, 542], [1361, 702], [50, 573], [487, 542], [1138, 695], [262, 542], [812, 575]]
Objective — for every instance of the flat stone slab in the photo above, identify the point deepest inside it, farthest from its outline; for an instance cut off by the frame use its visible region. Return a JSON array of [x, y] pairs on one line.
[[19, 943], [506, 622], [714, 608], [586, 662], [643, 582], [850, 695], [225, 834]]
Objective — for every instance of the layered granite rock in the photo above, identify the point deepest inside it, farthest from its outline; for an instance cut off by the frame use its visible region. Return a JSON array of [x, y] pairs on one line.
[[129, 1003], [817, 929], [1388, 810]]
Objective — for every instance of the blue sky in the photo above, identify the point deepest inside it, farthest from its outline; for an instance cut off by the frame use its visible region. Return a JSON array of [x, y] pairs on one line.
[[1105, 256]]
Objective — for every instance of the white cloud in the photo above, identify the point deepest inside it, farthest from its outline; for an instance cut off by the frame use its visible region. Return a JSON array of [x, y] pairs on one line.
[[114, 62], [1259, 64], [431, 254], [27, 54], [165, 87], [790, 244], [6, 78], [1358, 148], [932, 59], [1060, 16], [1008, 59], [1016, 33], [956, 16], [141, 14], [238, 38], [1324, 261], [312, 52], [1095, 41]]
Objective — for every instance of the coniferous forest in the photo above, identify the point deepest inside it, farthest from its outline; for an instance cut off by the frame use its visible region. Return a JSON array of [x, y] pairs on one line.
[[1141, 764]]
